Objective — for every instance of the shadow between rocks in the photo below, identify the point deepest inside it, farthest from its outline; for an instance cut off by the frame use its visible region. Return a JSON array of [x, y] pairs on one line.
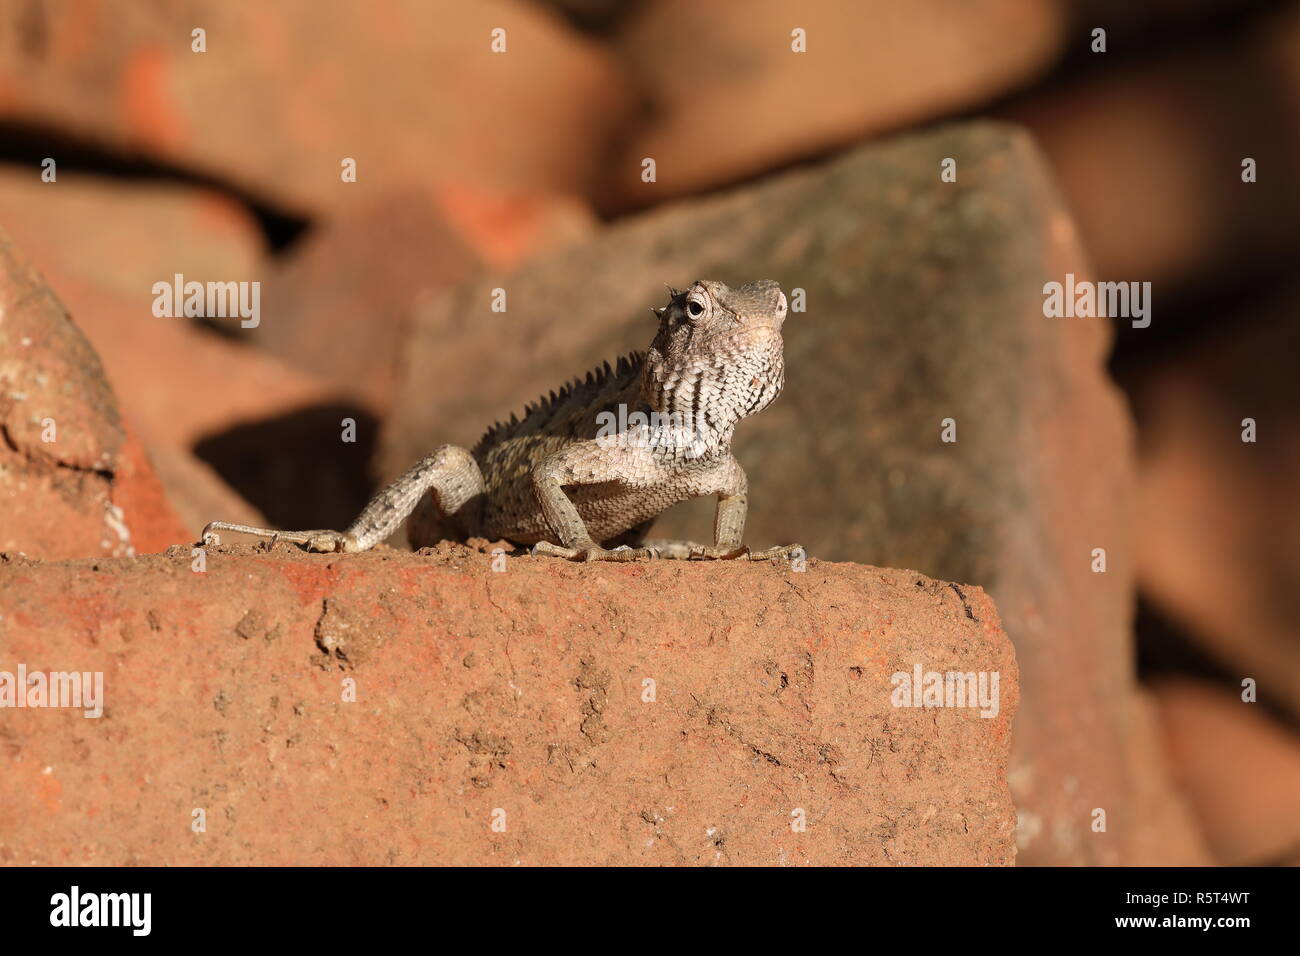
[[298, 469]]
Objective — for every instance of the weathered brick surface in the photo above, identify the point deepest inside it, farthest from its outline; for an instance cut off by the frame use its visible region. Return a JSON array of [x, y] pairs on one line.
[[477, 691], [73, 481], [177, 385]]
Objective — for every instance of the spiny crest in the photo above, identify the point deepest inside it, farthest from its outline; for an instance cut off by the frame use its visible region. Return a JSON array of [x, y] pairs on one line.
[[624, 371]]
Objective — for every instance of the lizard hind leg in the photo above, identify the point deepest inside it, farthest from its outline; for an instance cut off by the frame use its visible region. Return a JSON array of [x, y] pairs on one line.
[[450, 473], [321, 540], [452, 508]]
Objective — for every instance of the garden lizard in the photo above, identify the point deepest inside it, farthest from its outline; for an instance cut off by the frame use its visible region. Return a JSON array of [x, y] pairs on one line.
[[586, 470]]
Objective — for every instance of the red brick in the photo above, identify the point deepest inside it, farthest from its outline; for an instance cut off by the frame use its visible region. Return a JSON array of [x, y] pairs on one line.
[[520, 690], [729, 99], [125, 235], [1149, 156], [410, 89], [90, 490]]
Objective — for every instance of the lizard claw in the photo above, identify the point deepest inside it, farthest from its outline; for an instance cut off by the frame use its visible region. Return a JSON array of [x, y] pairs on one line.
[[327, 542], [772, 554], [720, 553], [594, 553], [621, 553], [546, 549], [691, 551]]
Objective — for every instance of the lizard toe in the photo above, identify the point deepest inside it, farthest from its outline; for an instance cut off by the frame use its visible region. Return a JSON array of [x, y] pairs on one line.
[[328, 542], [549, 550], [621, 553], [772, 554], [719, 553]]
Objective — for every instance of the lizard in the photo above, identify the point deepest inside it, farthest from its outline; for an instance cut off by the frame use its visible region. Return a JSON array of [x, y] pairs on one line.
[[586, 471]]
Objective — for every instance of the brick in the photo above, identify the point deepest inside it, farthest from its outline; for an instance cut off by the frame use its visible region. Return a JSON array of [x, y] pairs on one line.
[[521, 691], [729, 99], [338, 307], [73, 481], [126, 235], [412, 89], [1149, 156]]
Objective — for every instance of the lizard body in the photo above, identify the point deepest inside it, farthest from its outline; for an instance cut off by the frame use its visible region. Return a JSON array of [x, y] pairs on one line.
[[587, 469]]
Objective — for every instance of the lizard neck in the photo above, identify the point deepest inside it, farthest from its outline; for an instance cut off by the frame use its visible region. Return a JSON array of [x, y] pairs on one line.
[[701, 399]]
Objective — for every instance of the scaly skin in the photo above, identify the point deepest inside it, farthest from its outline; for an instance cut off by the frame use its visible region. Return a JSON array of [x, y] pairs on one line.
[[587, 470]]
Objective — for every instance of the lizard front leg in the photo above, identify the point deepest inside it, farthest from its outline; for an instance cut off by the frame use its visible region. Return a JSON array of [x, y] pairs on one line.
[[569, 467], [728, 527]]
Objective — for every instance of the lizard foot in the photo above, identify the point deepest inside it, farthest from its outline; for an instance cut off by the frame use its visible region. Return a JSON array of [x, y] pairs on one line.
[[593, 553], [771, 554], [718, 552], [690, 551], [327, 542], [674, 550]]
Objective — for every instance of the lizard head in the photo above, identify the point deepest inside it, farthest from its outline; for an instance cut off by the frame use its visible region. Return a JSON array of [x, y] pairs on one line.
[[718, 355]]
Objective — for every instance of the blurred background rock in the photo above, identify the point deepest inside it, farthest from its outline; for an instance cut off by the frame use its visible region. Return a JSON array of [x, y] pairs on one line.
[[522, 170]]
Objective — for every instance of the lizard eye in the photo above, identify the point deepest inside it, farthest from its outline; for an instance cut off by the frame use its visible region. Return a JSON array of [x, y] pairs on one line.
[[694, 308]]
